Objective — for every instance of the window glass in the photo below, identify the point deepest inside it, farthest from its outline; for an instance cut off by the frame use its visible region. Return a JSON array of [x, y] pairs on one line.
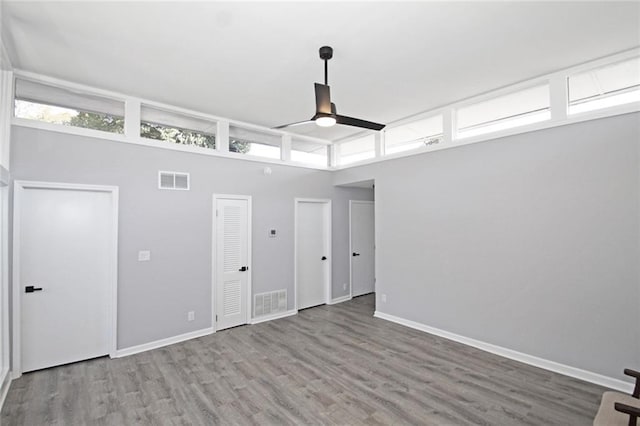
[[308, 152], [504, 112], [176, 128], [414, 135], [41, 102], [604, 87], [254, 142], [356, 150]]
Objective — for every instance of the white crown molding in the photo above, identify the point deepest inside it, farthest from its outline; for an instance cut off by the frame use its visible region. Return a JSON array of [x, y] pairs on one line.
[[563, 369]]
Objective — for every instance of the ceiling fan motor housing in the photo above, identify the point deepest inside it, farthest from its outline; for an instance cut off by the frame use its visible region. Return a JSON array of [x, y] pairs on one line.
[[326, 53]]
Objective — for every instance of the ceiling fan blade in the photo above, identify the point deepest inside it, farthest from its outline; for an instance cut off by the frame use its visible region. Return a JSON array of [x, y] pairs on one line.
[[323, 99], [293, 124], [350, 121]]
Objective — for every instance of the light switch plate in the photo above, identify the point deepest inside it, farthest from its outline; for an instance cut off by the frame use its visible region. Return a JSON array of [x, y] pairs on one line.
[[144, 256]]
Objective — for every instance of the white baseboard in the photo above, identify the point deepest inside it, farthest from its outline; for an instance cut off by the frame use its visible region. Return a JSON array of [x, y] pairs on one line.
[[5, 383], [339, 300], [566, 370], [274, 316], [163, 342], [191, 335]]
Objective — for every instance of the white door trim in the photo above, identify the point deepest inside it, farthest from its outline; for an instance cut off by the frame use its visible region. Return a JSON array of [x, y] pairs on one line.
[[351, 203], [327, 219], [216, 197], [19, 187]]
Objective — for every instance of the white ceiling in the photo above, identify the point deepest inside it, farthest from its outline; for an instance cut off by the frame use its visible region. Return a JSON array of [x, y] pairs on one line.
[[256, 62]]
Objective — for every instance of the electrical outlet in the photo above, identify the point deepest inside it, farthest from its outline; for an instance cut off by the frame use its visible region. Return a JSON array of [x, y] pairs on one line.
[[384, 298], [144, 256], [191, 315], [344, 286]]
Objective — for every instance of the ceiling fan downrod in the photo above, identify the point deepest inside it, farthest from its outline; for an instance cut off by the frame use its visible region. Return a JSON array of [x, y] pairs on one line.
[[326, 53]]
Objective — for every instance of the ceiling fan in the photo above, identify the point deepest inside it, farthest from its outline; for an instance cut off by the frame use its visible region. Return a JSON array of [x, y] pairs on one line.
[[326, 115]]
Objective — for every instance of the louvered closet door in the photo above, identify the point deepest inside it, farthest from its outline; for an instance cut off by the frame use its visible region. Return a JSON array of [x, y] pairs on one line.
[[232, 242]]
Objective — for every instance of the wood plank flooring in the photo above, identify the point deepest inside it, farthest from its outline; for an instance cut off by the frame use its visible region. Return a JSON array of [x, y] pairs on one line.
[[327, 365]]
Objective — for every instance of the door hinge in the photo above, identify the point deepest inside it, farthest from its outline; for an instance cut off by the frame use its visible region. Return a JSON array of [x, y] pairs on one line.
[[216, 212], [216, 318]]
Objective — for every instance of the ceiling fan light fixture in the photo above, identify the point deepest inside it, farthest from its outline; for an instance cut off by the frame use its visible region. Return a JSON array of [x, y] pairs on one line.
[[325, 121], [326, 115]]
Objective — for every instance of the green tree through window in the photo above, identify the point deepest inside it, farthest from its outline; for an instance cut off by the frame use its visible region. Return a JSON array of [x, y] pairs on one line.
[[115, 124], [176, 135], [104, 122]]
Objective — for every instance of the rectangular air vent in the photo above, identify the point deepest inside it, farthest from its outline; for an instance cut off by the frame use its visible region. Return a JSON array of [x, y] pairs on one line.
[[269, 303], [173, 180]]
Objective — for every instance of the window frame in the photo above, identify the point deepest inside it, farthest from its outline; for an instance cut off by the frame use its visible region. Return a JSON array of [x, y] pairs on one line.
[[459, 133], [291, 150], [177, 127], [107, 97], [279, 144], [132, 108], [424, 147], [353, 139], [592, 67], [559, 110]]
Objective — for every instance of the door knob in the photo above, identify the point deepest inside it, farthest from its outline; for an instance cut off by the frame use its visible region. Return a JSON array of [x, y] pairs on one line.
[[324, 258], [31, 289], [356, 254], [244, 268]]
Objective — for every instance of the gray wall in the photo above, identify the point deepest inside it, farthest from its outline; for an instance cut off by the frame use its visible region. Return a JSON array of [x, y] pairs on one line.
[[154, 297], [530, 242]]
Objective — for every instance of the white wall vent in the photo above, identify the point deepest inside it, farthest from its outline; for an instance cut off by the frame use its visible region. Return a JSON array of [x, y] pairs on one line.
[[173, 180], [269, 303]]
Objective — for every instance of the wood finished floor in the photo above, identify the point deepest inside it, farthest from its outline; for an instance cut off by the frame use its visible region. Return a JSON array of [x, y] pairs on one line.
[[327, 365]]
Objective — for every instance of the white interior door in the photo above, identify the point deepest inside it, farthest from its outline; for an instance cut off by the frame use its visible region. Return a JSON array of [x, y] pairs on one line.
[[313, 234], [232, 262], [362, 228], [65, 266]]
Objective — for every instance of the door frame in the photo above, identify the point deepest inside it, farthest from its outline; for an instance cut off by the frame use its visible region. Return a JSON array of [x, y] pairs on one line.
[[19, 187], [214, 280], [327, 237], [351, 203]]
